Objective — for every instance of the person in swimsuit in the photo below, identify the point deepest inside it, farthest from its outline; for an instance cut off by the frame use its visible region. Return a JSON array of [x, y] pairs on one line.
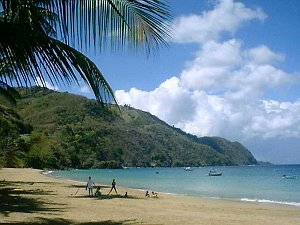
[[113, 187]]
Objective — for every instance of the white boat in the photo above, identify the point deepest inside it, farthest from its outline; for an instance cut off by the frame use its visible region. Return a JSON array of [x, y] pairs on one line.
[[289, 176], [187, 168], [214, 173]]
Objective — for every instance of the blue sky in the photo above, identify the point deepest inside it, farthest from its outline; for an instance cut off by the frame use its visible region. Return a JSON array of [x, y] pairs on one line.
[[231, 70]]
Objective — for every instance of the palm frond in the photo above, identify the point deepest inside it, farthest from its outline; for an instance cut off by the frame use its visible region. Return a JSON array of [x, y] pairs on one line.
[[37, 56], [87, 70], [35, 37], [138, 24]]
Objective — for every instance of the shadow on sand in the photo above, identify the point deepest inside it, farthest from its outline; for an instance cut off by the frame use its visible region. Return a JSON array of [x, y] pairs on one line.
[[105, 197], [100, 197], [60, 221], [13, 198]]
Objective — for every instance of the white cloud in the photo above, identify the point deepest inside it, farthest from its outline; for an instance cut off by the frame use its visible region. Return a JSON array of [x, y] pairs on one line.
[[277, 119], [200, 113], [222, 91], [42, 83], [262, 54], [228, 69], [227, 16], [212, 66], [158, 101]]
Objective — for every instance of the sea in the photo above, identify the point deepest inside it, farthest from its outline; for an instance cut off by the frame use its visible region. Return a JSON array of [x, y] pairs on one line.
[[272, 184]]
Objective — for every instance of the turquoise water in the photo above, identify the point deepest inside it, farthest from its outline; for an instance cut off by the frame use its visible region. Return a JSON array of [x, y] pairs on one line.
[[245, 183]]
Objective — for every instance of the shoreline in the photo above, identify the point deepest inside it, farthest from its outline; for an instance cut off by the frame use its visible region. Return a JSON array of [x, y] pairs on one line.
[[261, 201], [46, 199]]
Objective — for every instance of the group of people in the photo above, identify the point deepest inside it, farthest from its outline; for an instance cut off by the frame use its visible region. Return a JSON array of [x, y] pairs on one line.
[[90, 185], [153, 194]]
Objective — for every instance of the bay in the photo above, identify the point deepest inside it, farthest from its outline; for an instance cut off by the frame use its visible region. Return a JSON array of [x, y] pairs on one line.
[[262, 184]]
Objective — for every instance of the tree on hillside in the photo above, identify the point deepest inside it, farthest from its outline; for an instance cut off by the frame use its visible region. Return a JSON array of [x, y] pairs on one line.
[[7, 91], [39, 38]]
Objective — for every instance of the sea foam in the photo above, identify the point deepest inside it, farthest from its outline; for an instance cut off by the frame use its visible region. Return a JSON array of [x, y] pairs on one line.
[[297, 204], [47, 172]]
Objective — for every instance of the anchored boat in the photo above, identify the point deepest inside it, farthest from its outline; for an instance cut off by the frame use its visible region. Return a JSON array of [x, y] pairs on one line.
[[187, 168], [214, 173]]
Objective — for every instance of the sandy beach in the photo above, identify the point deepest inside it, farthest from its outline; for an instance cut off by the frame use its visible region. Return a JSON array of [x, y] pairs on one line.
[[29, 197]]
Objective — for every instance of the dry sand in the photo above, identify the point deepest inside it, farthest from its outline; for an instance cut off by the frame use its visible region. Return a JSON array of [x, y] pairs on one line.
[[29, 197]]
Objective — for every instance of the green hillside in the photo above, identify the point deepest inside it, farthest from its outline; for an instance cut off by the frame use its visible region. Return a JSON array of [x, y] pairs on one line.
[[235, 150], [61, 130]]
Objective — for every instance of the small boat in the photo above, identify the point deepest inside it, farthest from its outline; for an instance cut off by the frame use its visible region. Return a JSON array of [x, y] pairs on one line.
[[214, 173], [187, 168], [289, 176]]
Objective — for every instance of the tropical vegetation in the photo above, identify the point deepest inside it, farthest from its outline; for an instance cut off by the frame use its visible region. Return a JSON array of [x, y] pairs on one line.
[[49, 129]]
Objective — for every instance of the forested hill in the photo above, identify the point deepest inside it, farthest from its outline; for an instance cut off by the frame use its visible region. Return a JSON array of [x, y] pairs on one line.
[[62, 130]]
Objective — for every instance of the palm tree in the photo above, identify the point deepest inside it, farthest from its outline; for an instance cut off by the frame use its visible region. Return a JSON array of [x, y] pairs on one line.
[[39, 38]]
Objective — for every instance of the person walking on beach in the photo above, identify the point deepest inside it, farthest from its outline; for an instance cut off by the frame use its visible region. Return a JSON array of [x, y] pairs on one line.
[[113, 187], [89, 185]]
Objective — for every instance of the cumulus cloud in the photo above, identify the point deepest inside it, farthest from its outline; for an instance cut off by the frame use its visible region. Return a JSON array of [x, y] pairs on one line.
[[276, 119], [262, 55], [158, 101], [222, 90], [212, 65], [43, 83], [227, 16], [201, 113], [228, 69]]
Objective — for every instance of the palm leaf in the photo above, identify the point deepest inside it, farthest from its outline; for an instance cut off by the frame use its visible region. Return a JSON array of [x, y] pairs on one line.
[[140, 24], [31, 31], [41, 57]]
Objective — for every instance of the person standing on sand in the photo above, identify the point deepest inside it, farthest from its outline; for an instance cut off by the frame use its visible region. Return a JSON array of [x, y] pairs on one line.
[[89, 185], [113, 187]]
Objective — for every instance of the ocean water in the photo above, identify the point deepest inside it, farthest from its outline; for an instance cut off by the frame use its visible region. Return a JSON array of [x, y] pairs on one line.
[[262, 184]]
